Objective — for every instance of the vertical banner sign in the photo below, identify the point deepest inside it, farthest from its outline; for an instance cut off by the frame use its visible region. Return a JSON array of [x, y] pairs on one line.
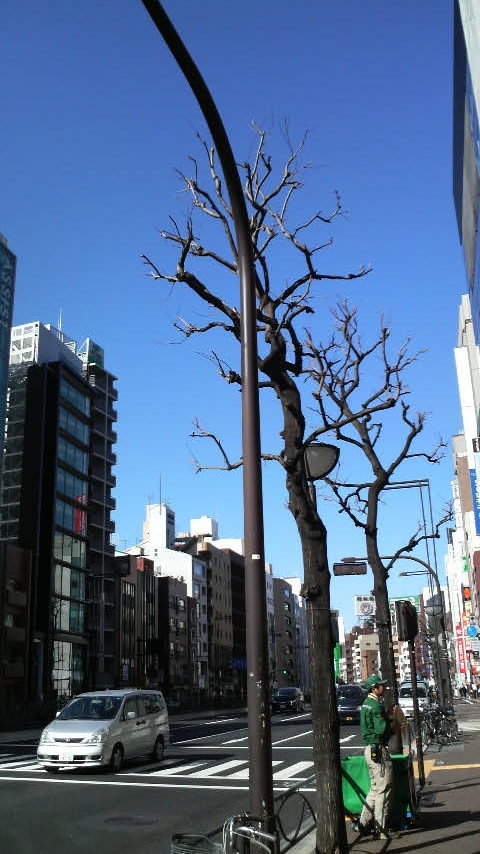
[[460, 650], [7, 287], [474, 482]]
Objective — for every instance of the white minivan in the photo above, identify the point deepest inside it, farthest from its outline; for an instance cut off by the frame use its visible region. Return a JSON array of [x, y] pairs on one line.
[[405, 697], [105, 728]]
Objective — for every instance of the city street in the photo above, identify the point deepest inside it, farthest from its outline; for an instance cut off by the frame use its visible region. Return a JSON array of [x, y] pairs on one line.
[[202, 780]]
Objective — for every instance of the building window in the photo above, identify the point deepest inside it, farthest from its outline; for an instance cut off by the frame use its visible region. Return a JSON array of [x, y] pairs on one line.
[[68, 672], [70, 517], [69, 423], [69, 549], [71, 486], [73, 456], [75, 397]]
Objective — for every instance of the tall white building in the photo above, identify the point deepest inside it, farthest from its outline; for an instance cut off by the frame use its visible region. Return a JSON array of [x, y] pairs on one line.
[[158, 544], [463, 558]]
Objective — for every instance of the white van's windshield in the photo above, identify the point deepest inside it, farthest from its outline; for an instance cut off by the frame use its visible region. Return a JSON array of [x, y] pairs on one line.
[[408, 691], [91, 708]]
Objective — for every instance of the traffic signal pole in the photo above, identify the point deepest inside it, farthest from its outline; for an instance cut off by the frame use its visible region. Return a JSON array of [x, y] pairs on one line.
[[416, 714]]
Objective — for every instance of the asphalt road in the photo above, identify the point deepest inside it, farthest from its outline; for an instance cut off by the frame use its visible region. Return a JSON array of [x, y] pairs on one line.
[[202, 780]]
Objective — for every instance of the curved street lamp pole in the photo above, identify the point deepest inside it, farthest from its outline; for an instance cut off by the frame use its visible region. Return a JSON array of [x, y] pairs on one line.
[[445, 689], [259, 715]]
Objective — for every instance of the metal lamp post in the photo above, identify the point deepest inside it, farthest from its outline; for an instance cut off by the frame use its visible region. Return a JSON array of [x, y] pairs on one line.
[[445, 686], [445, 690], [259, 715]]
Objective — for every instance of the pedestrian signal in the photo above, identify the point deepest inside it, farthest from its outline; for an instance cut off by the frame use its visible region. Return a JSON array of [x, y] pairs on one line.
[[407, 620]]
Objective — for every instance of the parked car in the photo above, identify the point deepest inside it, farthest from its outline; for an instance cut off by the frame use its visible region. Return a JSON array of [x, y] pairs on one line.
[[105, 728], [288, 700], [405, 697], [349, 702]]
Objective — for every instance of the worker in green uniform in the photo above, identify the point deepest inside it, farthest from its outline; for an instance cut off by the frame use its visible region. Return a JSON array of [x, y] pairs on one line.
[[376, 728]]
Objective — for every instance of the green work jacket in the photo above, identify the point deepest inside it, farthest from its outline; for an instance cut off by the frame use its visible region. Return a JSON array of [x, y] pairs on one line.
[[374, 724]]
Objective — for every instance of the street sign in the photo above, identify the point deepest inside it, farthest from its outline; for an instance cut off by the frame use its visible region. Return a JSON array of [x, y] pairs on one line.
[[345, 568], [472, 631]]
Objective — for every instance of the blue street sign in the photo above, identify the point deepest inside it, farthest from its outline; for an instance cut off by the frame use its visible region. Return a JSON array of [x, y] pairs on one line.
[[472, 631]]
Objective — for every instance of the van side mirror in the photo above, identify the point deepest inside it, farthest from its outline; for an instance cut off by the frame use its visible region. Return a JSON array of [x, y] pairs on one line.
[[130, 715]]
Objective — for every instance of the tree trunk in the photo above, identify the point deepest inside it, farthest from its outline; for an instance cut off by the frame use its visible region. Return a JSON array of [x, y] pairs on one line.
[[385, 640], [331, 835]]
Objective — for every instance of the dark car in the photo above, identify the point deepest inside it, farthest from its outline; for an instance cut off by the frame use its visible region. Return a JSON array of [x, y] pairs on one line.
[[288, 700], [349, 702]]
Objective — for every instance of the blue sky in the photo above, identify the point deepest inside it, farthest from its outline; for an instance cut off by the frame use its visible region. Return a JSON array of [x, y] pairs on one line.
[[96, 119]]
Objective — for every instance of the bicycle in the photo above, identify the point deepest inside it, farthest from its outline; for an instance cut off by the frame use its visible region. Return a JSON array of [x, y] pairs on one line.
[[438, 724]]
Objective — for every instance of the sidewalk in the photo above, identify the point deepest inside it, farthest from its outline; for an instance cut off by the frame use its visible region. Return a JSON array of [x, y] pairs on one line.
[[448, 817]]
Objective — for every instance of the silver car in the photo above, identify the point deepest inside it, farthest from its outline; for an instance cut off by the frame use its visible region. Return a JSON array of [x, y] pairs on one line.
[[105, 728]]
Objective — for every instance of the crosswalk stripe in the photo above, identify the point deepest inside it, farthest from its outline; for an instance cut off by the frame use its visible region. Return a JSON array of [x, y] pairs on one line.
[[179, 769], [20, 762], [244, 773], [291, 770], [217, 769]]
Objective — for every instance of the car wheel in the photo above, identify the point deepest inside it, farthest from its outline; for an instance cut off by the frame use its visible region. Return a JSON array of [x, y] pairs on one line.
[[51, 769], [116, 759], [158, 751]]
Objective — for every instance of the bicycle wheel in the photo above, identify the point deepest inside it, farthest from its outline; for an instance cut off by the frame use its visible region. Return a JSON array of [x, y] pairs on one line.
[[442, 734], [453, 730], [425, 734]]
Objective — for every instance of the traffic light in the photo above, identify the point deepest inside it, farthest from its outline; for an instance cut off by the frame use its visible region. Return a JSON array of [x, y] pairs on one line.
[[407, 620], [284, 671]]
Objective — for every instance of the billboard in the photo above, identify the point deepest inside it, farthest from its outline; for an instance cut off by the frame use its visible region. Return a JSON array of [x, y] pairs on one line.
[[95, 353], [364, 606]]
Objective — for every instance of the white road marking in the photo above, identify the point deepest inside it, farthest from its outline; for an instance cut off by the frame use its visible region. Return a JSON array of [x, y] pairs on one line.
[[137, 785], [178, 769], [244, 773], [21, 762], [217, 769], [291, 738], [291, 770]]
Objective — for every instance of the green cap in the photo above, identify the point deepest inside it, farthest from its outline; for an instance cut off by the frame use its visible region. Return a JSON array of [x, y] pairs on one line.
[[375, 680]]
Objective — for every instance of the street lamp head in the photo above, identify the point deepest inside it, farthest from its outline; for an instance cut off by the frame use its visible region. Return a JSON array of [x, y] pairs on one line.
[[414, 572], [320, 459]]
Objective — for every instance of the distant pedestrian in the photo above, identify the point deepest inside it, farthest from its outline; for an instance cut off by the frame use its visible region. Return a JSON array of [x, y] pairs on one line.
[[376, 729], [463, 690]]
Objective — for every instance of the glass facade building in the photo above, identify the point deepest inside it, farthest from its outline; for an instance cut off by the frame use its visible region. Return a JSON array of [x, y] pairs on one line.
[[56, 485]]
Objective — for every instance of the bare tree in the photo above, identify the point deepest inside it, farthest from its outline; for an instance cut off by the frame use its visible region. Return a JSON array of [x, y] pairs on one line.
[[356, 415], [297, 370]]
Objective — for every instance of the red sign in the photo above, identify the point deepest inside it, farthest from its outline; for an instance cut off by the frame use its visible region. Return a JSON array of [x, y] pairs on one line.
[[460, 650]]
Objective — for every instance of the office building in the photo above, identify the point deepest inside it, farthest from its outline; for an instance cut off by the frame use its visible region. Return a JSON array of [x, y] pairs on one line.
[[466, 142], [55, 502]]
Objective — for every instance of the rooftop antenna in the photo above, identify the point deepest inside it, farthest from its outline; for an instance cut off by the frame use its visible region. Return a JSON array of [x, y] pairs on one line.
[[60, 320], [160, 489]]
